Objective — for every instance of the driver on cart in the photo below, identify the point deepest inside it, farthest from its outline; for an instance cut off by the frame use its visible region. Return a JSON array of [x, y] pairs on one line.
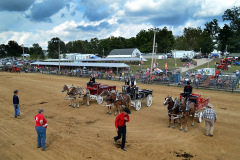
[[132, 85], [187, 90], [92, 80]]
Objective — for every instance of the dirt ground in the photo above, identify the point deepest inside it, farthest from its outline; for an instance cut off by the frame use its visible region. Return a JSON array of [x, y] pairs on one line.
[[87, 132]]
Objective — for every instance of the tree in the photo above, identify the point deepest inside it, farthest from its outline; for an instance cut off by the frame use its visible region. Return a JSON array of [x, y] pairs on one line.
[[69, 47], [205, 43], [224, 36], [53, 47], [144, 40], [212, 28], [165, 40], [191, 36], [181, 43], [3, 51], [13, 49], [77, 47], [233, 15], [36, 52]]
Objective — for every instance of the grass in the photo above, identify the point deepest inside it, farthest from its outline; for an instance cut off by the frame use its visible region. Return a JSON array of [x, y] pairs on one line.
[[170, 64], [212, 65]]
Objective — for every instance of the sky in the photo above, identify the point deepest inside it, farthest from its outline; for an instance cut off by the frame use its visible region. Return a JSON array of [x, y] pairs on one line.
[[38, 21]]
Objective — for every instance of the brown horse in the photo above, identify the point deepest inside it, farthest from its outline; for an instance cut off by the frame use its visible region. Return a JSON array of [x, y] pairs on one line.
[[123, 99], [185, 110], [172, 110], [72, 95], [109, 102]]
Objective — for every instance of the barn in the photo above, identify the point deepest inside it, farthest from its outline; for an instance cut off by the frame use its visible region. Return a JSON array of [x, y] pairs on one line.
[[125, 53]]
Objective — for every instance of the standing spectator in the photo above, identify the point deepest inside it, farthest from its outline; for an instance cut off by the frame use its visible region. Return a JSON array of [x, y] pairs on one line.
[[120, 124], [41, 126], [237, 73], [16, 104], [210, 117]]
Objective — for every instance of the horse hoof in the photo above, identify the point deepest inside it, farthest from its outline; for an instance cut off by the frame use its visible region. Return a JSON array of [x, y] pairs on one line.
[[185, 131], [107, 113], [173, 127], [180, 129], [192, 125], [110, 113], [169, 126]]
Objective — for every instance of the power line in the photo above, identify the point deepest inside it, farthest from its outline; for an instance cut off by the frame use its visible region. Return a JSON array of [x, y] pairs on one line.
[[125, 13]]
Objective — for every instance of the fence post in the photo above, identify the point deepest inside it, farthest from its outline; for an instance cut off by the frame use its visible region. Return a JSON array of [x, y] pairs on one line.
[[232, 85]]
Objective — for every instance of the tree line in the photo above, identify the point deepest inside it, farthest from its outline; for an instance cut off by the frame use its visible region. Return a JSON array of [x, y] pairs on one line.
[[197, 39]]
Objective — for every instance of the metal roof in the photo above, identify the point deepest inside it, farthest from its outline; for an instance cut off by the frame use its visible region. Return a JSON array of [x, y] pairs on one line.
[[105, 65], [113, 59], [128, 51], [56, 60]]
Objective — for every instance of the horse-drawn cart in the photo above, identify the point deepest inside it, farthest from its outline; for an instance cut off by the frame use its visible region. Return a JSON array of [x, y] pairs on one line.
[[137, 95], [96, 89], [199, 104]]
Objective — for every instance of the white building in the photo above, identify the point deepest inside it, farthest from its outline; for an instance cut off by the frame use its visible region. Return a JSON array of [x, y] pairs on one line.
[[182, 53], [75, 56], [125, 53]]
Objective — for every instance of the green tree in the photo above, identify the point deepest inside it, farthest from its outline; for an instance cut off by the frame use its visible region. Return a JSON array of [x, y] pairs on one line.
[[36, 52], [180, 43], [69, 47], [165, 40], [205, 43], [53, 47], [212, 28], [224, 37], [233, 15], [191, 36], [3, 51], [77, 47], [13, 49]]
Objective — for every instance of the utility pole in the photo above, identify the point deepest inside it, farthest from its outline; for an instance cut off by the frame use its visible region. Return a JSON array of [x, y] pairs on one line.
[[152, 54], [226, 51], [23, 53], [155, 52], [175, 57], [59, 56]]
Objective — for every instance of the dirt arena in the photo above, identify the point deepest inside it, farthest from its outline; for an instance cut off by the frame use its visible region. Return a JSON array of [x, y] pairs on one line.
[[87, 132]]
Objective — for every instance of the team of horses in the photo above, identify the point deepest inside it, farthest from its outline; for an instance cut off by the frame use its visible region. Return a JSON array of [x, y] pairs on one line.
[[179, 110], [76, 94]]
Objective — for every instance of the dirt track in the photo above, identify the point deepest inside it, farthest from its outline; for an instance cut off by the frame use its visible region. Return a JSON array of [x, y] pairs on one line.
[[87, 132]]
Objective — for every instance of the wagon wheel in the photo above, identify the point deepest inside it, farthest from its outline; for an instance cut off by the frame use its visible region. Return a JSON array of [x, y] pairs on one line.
[[200, 117], [149, 100], [138, 105], [99, 99]]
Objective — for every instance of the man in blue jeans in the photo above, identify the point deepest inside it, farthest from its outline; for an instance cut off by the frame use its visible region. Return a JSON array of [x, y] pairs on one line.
[[16, 104], [41, 127]]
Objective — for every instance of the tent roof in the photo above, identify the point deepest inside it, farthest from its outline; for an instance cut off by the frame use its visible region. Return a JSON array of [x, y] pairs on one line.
[[104, 65]]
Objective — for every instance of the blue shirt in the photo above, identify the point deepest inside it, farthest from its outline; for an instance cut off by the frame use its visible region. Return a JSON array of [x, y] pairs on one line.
[[15, 99]]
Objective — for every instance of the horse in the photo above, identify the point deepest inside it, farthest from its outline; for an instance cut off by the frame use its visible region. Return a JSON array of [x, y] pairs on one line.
[[72, 95], [185, 110], [123, 99], [67, 88], [85, 96], [172, 110], [109, 101]]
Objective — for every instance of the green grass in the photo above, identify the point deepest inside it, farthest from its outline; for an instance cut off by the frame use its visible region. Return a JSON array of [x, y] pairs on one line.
[[212, 65], [170, 64]]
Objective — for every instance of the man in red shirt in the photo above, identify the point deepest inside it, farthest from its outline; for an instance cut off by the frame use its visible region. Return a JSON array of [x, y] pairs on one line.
[[41, 126], [120, 124]]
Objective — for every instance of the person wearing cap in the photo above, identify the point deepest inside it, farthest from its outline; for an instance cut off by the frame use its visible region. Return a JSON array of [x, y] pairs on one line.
[[16, 104], [92, 80], [40, 127], [210, 117], [120, 124]]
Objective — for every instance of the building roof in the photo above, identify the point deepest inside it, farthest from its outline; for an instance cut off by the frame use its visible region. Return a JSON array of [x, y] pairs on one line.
[[113, 59], [234, 55], [56, 60], [105, 65], [128, 51]]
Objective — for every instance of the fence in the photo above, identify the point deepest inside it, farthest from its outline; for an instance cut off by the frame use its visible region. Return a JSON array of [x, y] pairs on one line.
[[223, 82]]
